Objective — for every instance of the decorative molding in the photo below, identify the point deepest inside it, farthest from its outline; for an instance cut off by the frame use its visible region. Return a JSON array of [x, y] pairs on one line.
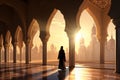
[[101, 3]]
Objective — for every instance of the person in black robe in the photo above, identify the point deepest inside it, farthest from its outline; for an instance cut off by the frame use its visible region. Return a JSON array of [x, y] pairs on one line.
[[62, 59]]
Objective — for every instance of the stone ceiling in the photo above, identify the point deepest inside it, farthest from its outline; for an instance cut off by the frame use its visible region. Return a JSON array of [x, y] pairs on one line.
[[101, 3]]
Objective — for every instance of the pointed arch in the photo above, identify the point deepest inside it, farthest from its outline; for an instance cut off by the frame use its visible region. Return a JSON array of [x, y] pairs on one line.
[[1, 40], [97, 15], [32, 31], [17, 33], [19, 36], [58, 35], [8, 37], [50, 19], [33, 28], [86, 5], [80, 10]]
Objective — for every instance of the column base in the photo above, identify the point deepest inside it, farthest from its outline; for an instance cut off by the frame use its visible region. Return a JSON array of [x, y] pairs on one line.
[[44, 64], [118, 72], [71, 68]]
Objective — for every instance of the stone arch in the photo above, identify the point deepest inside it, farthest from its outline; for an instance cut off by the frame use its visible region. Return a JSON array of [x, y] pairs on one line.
[[1, 48], [86, 5], [20, 9], [50, 19], [94, 12], [1, 40], [33, 28], [96, 21], [110, 46], [57, 30], [101, 20], [18, 33], [87, 22], [8, 37], [18, 43]]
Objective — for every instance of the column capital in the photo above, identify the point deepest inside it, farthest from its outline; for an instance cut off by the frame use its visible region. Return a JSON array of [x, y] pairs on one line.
[[103, 39], [7, 44], [71, 27], [44, 36], [15, 43], [28, 41]]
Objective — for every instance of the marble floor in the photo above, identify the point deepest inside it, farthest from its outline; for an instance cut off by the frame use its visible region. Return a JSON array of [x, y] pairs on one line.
[[87, 71]]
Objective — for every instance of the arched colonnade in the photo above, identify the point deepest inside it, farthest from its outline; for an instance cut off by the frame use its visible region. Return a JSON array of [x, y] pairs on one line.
[[20, 27]]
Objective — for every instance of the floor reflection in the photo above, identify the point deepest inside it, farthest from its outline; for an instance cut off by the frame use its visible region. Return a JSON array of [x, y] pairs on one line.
[[61, 74], [49, 72]]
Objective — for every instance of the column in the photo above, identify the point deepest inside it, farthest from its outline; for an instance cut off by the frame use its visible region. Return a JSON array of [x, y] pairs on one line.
[[71, 29], [14, 52], [20, 54], [71, 51], [31, 45], [102, 39], [44, 38], [117, 24], [44, 57], [102, 51], [0, 54], [27, 56], [6, 53]]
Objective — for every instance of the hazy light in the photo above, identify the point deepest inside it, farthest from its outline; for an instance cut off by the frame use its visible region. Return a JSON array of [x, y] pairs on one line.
[[111, 30], [36, 40], [58, 36], [83, 39], [78, 74], [77, 37]]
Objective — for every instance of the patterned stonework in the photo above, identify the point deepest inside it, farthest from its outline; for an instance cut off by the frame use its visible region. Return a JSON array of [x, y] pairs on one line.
[[101, 3]]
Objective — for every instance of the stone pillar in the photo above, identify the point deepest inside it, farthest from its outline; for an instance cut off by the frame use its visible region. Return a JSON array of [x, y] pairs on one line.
[[14, 52], [44, 38], [102, 39], [31, 45], [117, 24], [6, 53], [44, 57], [71, 50], [20, 44], [102, 52], [0, 54], [71, 29], [20, 54], [27, 56]]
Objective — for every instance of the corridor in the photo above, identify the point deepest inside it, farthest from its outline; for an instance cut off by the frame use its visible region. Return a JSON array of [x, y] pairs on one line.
[[36, 71]]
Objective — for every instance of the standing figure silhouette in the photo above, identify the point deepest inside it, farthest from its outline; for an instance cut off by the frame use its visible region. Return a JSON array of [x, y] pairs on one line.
[[62, 58]]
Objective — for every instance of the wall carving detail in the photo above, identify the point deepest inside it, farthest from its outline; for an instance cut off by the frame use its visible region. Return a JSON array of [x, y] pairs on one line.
[[101, 3]]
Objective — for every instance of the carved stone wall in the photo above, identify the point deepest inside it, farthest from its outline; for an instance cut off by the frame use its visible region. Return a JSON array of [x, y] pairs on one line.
[[101, 3]]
